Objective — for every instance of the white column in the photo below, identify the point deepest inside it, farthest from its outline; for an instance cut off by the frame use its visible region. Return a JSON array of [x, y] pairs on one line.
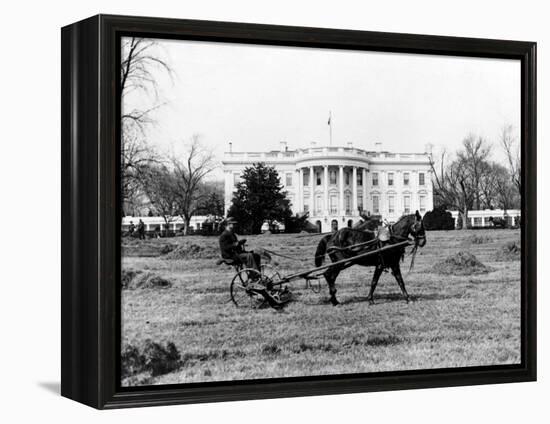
[[354, 191], [383, 183], [415, 197], [364, 170], [300, 190], [341, 187], [311, 192], [325, 205], [429, 189]]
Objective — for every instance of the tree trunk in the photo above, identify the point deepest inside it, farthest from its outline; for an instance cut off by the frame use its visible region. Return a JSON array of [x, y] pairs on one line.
[[464, 217], [187, 222]]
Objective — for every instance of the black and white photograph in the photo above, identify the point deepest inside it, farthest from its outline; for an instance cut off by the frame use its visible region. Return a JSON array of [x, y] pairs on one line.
[[298, 212]]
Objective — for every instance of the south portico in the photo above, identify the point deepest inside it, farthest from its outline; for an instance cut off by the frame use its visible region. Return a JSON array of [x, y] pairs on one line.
[[334, 195]]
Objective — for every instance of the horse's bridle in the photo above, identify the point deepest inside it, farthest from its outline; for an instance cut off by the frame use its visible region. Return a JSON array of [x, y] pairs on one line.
[[412, 231]]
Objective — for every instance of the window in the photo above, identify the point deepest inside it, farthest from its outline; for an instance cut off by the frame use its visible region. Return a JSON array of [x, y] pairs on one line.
[[391, 204], [306, 205], [477, 221], [236, 179], [318, 204], [360, 205], [390, 178], [333, 204], [421, 179], [289, 180], [375, 204], [422, 202], [348, 204], [306, 179], [332, 177], [318, 178], [407, 204], [347, 178], [375, 178], [360, 178], [406, 179]]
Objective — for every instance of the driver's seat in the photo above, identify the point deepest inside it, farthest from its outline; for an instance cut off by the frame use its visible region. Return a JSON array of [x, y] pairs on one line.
[[230, 262]]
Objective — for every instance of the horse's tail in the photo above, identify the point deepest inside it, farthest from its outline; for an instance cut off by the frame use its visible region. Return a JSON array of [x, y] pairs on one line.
[[321, 250]]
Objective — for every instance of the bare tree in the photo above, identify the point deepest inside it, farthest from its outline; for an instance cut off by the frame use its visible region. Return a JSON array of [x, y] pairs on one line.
[[140, 57], [503, 189], [159, 185], [190, 173], [137, 156], [453, 186], [474, 158], [511, 147]]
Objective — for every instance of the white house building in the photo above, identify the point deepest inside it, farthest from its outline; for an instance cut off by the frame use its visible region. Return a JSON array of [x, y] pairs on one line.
[[334, 184]]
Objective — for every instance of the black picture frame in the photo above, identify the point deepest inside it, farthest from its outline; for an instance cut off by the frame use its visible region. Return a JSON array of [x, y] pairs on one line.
[[90, 214]]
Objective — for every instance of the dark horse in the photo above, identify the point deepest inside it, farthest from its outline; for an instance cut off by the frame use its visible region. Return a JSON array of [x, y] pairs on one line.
[[338, 247]]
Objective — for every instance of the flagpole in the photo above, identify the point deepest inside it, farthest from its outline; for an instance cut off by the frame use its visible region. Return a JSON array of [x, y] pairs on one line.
[[330, 127]]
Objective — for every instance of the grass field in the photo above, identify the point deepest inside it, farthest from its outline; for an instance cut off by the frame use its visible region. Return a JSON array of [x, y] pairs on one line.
[[455, 321]]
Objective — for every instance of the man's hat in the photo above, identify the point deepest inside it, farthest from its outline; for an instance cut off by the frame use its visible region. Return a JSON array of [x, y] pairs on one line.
[[230, 220]]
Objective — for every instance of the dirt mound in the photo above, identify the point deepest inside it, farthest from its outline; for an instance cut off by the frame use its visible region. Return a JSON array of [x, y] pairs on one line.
[[193, 251], [150, 358], [463, 263], [132, 279], [477, 239], [167, 248], [508, 252], [145, 249]]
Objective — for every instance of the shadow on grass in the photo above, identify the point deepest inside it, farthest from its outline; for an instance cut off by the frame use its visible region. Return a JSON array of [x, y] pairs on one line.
[[398, 297]]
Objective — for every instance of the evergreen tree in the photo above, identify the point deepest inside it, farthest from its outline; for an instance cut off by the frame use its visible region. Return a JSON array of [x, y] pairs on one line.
[[212, 205], [259, 198]]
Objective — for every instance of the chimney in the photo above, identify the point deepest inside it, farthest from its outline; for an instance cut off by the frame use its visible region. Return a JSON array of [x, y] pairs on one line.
[[230, 147], [378, 147], [284, 147], [350, 144], [313, 143]]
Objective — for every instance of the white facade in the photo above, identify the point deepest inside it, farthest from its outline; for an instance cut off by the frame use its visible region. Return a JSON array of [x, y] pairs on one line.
[[152, 222], [481, 218], [334, 184]]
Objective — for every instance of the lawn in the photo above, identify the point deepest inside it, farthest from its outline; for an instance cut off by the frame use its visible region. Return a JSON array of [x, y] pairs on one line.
[[454, 321]]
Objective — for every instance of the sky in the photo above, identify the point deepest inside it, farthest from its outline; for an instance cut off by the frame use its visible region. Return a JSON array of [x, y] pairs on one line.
[[257, 96]]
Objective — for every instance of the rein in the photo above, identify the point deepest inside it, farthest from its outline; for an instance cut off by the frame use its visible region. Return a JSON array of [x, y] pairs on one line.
[[414, 250]]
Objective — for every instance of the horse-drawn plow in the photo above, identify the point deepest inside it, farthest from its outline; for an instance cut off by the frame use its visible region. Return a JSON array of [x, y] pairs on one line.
[[252, 288]]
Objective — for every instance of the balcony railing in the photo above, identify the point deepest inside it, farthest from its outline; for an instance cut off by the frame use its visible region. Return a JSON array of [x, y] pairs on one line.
[[323, 151]]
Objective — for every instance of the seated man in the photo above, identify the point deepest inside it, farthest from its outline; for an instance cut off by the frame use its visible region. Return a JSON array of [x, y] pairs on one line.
[[232, 248]]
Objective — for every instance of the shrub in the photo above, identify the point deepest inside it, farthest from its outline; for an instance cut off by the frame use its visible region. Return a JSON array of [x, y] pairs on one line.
[[439, 219]]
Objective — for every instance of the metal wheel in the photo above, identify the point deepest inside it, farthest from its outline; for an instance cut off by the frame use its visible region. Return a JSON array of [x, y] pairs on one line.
[[241, 294], [270, 272]]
